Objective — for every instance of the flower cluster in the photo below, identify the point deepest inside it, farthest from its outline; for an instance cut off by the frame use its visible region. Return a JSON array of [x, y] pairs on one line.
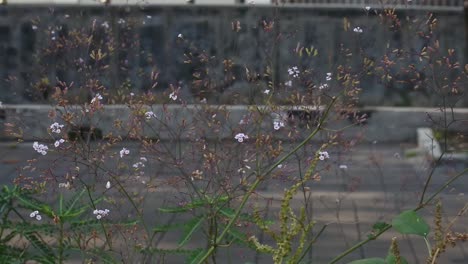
[[124, 152], [101, 213], [278, 124], [149, 115], [58, 142], [108, 185], [329, 76], [357, 30], [36, 215], [40, 148], [96, 98], [294, 72], [323, 86], [173, 96], [56, 127], [323, 155], [241, 137], [140, 164]]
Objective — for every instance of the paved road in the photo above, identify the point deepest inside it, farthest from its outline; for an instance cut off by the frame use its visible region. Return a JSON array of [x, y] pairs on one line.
[[378, 182]]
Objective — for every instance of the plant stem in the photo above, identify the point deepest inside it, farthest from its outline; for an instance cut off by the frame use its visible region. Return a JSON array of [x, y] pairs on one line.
[[428, 245], [420, 206]]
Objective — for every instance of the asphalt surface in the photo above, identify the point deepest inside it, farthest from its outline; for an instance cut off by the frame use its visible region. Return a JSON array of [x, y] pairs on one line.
[[369, 183]]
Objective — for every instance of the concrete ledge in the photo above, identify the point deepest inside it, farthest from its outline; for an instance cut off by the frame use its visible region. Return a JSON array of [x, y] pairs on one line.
[[383, 124], [428, 144]]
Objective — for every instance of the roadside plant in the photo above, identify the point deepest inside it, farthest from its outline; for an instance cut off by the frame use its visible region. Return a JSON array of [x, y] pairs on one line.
[[163, 175]]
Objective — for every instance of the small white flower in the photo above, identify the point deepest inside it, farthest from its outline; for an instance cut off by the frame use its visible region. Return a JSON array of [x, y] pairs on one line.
[[277, 125], [180, 35], [98, 217], [58, 142], [33, 214], [38, 217], [64, 185], [323, 155], [329, 76], [95, 212], [148, 17], [367, 8], [121, 21], [108, 185], [203, 101], [173, 96], [56, 127], [132, 94], [343, 167], [97, 97], [323, 86], [34, 27], [105, 25], [266, 91], [124, 152], [357, 30], [241, 137], [40, 148], [294, 72], [288, 83], [149, 115], [280, 166]]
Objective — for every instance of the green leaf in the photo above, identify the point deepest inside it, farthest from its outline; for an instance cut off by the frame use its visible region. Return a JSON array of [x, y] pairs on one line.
[[409, 222], [189, 229], [369, 261], [391, 259]]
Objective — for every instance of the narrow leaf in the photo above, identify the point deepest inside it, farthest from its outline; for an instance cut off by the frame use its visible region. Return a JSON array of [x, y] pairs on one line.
[[369, 261]]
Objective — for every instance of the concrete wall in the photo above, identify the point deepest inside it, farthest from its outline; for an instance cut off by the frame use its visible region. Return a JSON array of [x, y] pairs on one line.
[[153, 43]]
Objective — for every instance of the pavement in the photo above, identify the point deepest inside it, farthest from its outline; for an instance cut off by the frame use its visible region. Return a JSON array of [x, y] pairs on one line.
[[367, 184]]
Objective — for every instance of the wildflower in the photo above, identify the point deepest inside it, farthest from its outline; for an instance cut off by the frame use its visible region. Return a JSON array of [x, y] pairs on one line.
[[108, 185], [241, 137], [40, 148], [343, 167], [280, 166], [97, 97], [100, 213], [121, 21], [266, 91], [277, 125], [203, 101], [323, 155], [329, 76], [124, 152], [58, 142], [140, 164], [64, 185], [173, 96], [148, 17], [105, 25], [132, 94], [149, 115], [56, 127], [34, 27], [180, 35], [36, 215], [367, 8], [357, 30], [294, 72], [323, 86], [288, 83]]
